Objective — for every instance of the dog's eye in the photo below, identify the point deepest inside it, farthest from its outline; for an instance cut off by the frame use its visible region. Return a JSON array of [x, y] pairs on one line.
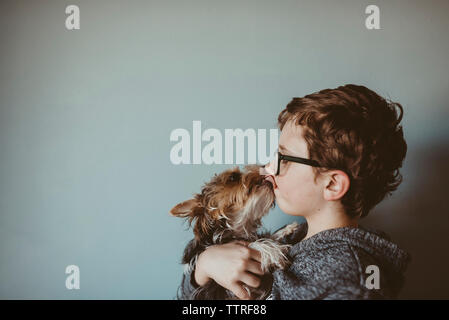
[[235, 176]]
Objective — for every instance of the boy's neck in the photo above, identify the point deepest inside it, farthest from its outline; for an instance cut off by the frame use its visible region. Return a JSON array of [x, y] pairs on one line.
[[329, 219]]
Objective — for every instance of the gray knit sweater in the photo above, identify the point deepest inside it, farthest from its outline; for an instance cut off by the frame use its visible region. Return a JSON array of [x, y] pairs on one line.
[[332, 264]]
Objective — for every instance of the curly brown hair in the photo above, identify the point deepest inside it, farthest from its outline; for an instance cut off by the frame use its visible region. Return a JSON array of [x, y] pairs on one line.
[[357, 131]]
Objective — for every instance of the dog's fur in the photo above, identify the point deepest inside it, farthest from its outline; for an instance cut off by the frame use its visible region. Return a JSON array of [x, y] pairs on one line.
[[230, 207]]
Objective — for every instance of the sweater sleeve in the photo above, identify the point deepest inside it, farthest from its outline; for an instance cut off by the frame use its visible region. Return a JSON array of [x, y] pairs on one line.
[[188, 284]]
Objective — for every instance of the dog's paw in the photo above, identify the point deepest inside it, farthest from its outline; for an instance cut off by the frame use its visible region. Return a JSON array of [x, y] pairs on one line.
[[274, 255]]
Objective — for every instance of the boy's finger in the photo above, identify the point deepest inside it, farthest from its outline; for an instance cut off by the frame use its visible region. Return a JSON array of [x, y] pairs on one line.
[[250, 280], [255, 268], [240, 291], [241, 242], [255, 255]]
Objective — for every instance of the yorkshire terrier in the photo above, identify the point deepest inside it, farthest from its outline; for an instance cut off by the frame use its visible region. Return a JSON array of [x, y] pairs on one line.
[[230, 207]]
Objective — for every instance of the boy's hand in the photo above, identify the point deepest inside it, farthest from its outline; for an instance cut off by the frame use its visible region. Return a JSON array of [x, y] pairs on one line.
[[230, 265]]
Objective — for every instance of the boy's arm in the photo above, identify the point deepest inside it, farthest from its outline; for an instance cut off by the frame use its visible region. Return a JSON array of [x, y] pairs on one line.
[[287, 286], [188, 283]]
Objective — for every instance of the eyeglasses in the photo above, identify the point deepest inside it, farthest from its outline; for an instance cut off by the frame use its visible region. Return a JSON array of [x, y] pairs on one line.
[[280, 157]]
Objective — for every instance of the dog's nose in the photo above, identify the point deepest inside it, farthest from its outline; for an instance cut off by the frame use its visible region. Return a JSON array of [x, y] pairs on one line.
[[264, 171]]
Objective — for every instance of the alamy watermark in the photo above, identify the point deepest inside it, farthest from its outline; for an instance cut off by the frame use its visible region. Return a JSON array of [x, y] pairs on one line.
[[373, 20], [73, 280], [373, 280], [219, 147], [72, 22]]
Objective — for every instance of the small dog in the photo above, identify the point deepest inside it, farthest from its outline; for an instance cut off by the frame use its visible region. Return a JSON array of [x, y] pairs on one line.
[[230, 207]]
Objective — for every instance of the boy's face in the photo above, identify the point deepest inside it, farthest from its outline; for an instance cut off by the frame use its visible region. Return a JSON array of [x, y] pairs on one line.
[[295, 190]]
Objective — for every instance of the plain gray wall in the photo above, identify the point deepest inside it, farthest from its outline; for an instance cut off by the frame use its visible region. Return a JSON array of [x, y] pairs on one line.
[[86, 115]]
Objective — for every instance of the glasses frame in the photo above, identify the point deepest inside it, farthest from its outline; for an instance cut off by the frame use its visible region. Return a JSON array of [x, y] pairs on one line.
[[305, 161]]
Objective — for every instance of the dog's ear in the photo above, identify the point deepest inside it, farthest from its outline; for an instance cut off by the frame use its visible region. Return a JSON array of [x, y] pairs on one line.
[[184, 209]]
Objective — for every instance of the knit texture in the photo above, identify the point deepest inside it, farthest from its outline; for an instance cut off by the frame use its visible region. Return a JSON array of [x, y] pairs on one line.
[[332, 264]]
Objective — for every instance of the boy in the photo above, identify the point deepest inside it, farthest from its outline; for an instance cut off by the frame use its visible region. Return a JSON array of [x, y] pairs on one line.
[[357, 147]]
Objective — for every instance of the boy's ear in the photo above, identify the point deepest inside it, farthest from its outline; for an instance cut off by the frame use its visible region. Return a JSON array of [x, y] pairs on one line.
[[184, 209], [338, 185]]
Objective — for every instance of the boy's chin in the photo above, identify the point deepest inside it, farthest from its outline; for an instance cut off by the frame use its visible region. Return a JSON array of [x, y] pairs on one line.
[[289, 210], [281, 205]]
